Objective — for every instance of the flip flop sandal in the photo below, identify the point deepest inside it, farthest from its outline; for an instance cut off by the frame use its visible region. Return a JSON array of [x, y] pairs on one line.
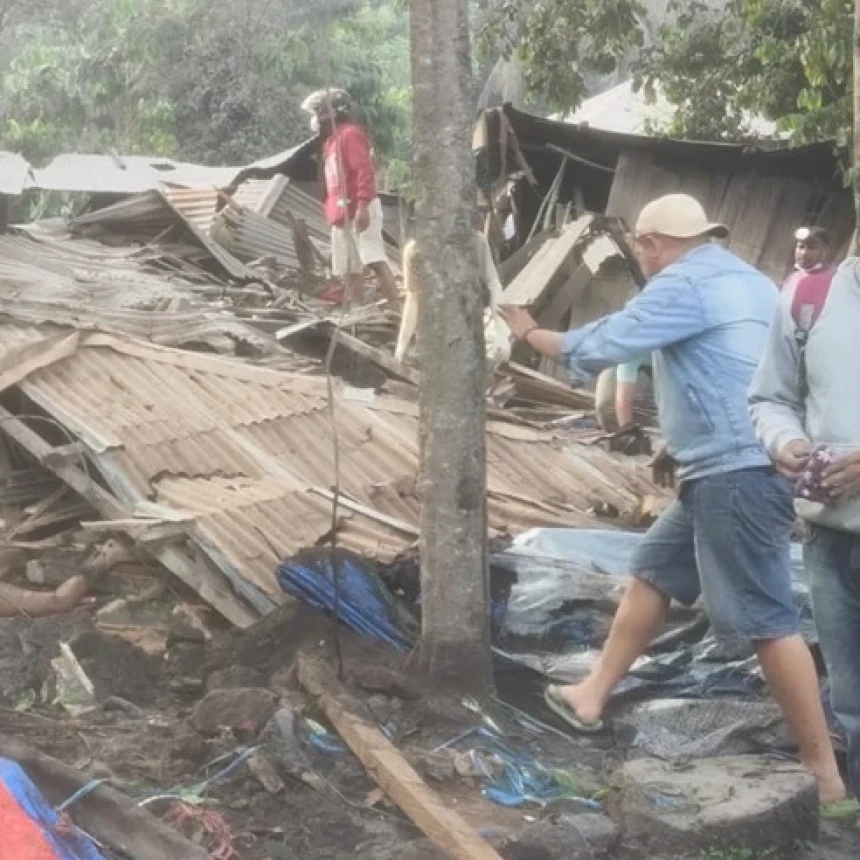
[[841, 810], [556, 703]]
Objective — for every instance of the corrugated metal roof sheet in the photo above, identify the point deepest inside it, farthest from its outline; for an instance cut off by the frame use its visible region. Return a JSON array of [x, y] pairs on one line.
[[49, 276], [248, 453], [14, 174], [133, 174]]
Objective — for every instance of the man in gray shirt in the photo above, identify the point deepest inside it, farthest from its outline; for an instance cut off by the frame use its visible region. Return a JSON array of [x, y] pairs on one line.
[[806, 395]]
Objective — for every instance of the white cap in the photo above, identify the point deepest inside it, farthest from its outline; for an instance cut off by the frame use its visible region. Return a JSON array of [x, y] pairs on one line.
[[677, 216]]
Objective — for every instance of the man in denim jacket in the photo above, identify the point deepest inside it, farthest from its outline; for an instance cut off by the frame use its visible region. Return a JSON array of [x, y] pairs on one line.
[[705, 315]]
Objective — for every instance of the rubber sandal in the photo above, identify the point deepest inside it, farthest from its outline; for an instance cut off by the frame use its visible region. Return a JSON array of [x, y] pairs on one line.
[[841, 810], [556, 703]]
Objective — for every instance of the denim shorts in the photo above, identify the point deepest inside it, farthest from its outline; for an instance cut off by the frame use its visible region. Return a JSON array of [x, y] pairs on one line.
[[727, 539]]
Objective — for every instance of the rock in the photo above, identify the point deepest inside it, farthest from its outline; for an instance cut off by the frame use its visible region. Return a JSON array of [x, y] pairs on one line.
[[282, 743], [419, 849], [599, 831], [563, 839], [435, 766], [382, 708], [752, 802], [247, 709], [379, 679], [233, 678], [181, 632], [264, 772]]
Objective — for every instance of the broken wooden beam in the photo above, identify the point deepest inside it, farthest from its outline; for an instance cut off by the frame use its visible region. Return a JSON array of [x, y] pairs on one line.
[[392, 773], [387, 362]]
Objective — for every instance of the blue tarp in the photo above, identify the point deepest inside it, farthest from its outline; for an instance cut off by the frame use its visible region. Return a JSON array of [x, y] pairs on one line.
[[67, 842]]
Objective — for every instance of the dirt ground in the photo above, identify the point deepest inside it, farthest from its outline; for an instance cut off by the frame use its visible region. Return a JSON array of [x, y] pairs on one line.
[[143, 735]]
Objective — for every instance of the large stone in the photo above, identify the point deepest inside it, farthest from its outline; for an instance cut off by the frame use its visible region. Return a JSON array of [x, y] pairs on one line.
[[752, 802], [246, 709], [581, 835], [234, 677], [599, 831]]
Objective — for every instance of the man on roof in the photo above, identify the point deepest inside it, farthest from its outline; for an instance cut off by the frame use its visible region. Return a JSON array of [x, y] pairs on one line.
[[812, 255], [705, 316], [352, 206]]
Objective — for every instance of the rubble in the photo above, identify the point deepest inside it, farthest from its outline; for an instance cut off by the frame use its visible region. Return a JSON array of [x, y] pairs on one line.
[[246, 709], [167, 422]]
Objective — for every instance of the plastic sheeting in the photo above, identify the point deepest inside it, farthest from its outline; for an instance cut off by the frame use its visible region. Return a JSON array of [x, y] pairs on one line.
[[31, 828], [554, 594]]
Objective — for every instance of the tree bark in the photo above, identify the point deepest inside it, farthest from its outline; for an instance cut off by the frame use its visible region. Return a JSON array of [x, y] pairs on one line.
[[455, 648], [855, 161]]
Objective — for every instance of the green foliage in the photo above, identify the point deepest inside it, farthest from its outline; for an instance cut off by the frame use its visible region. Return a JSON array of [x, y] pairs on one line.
[[786, 60], [718, 64], [561, 42], [217, 81]]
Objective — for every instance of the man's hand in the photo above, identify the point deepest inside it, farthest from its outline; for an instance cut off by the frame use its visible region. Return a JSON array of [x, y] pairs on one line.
[[519, 320], [842, 478], [362, 218], [792, 459], [663, 468]]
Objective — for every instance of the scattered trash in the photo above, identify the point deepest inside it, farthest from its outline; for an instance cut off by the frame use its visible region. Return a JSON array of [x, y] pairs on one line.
[[74, 690]]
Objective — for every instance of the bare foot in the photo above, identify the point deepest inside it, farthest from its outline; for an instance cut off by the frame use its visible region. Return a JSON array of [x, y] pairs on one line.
[[831, 789], [583, 701]]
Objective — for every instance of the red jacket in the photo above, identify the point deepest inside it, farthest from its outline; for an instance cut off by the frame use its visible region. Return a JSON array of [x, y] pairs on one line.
[[347, 151]]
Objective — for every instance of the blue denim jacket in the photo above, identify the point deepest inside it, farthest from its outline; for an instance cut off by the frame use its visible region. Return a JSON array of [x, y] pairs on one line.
[[706, 318]]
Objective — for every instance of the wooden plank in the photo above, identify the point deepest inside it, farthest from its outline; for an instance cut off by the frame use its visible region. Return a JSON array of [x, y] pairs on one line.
[[387, 362], [539, 274], [548, 389], [511, 267], [390, 770], [370, 513]]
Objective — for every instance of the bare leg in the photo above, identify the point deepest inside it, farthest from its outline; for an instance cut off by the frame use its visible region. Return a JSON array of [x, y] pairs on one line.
[[640, 616], [790, 672], [386, 280]]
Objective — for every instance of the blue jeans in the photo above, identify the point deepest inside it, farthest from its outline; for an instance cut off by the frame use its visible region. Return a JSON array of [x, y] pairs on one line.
[[833, 565], [727, 538]]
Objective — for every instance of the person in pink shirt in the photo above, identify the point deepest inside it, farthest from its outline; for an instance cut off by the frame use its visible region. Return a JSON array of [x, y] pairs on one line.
[[352, 206], [811, 256]]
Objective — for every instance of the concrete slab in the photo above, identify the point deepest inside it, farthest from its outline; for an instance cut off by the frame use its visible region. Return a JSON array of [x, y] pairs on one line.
[[737, 801]]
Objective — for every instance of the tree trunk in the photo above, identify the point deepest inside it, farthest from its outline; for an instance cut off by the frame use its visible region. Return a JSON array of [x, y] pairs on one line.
[[855, 162], [455, 648]]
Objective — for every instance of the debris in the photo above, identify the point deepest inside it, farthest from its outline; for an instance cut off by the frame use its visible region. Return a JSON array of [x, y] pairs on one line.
[[585, 837], [74, 690], [282, 743], [264, 772], [108, 816], [380, 679], [234, 677], [31, 828], [247, 709], [394, 776], [676, 729], [752, 802]]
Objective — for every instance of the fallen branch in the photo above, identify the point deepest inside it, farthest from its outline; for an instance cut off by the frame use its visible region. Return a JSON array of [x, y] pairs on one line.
[[389, 769]]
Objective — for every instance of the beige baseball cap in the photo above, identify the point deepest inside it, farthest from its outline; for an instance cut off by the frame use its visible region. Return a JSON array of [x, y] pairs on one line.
[[678, 216]]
